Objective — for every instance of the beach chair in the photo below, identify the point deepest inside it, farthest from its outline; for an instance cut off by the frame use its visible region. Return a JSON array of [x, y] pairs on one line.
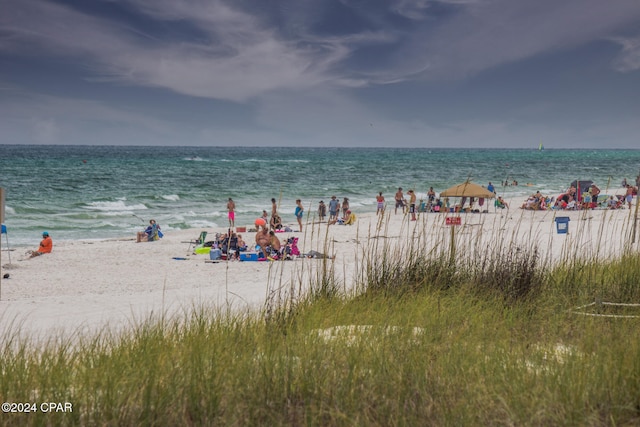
[[199, 241]]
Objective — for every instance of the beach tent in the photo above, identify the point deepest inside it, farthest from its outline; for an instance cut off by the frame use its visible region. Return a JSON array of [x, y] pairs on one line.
[[582, 186], [468, 189]]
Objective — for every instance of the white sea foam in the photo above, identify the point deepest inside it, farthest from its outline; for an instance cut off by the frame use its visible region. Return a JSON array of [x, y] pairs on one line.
[[119, 206], [171, 197]]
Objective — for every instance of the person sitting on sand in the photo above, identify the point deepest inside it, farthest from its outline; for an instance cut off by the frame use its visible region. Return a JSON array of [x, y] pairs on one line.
[[561, 203], [262, 239], [529, 204], [500, 203], [150, 234], [233, 247], [351, 218], [242, 246], [46, 245], [275, 245], [276, 222], [345, 207]]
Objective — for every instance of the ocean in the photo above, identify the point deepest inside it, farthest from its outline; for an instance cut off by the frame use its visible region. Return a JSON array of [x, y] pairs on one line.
[[98, 192]]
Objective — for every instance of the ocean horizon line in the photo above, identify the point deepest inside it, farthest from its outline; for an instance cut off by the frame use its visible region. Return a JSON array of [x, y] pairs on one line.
[[407, 148]]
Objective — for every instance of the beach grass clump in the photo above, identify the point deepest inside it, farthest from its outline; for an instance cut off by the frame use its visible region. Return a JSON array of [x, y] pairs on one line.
[[444, 357], [439, 262], [515, 273]]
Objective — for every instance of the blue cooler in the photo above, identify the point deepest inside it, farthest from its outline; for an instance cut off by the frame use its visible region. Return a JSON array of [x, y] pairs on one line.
[[562, 224], [248, 256], [215, 254]]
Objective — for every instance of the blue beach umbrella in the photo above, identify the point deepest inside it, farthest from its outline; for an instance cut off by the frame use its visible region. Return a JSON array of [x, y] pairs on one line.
[[6, 236]]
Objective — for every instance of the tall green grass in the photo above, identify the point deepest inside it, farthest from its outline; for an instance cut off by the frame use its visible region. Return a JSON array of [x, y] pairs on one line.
[[488, 336]]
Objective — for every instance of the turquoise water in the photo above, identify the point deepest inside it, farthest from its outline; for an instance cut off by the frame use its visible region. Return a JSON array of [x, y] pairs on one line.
[[85, 192]]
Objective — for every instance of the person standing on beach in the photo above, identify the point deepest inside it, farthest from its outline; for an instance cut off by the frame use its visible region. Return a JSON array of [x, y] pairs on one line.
[[334, 206], [412, 204], [629, 195], [431, 198], [231, 207], [380, 203], [399, 198], [491, 188], [274, 207], [322, 210], [299, 212]]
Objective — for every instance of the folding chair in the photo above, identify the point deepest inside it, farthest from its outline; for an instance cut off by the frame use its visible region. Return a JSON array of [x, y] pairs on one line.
[[199, 241]]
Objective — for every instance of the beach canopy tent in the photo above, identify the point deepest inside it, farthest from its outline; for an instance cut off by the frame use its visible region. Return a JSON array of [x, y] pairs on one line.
[[468, 189], [582, 186]]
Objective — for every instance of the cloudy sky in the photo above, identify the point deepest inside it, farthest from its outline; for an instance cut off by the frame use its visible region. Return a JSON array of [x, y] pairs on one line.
[[411, 73]]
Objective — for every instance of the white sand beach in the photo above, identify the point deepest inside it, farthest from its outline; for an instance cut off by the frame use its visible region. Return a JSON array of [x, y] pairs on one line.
[[85, 286]]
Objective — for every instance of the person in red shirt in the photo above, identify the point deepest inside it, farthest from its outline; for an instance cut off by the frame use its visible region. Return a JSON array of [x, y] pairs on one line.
[[46, 245]]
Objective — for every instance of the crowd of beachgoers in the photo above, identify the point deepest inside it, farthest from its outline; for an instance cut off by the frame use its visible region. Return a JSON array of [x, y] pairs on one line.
[[581, 196]]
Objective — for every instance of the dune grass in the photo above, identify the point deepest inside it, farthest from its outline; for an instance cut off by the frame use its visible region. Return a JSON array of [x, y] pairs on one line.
[[421, 337]]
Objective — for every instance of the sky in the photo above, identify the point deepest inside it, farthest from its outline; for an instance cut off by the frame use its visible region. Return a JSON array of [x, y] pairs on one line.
[[316, 73]]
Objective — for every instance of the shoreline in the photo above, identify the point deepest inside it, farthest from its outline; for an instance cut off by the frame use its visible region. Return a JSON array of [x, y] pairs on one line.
[[84, 286]]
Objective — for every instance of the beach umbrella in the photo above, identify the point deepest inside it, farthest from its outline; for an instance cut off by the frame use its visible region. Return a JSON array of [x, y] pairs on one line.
[[467, 189], [6, 236]]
